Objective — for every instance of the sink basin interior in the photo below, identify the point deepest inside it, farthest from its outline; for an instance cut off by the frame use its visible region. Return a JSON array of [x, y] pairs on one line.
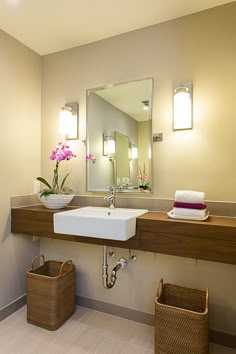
[[99, 222]]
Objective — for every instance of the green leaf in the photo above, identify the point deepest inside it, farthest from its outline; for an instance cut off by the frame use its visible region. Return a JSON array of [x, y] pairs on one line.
[[63, 182], [67, 190], [46, 192], [42, 180]]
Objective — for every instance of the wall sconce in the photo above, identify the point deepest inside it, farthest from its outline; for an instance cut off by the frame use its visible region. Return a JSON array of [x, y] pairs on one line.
[[183, 106], [109, 146], [69, 121]]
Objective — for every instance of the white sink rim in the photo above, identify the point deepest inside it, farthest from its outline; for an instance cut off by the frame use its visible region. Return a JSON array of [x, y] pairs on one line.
[[98, 222]]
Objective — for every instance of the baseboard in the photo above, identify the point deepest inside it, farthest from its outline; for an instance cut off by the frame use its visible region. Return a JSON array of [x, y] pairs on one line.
[[221, 338], [216, 337], [12, 307], [115, 310]]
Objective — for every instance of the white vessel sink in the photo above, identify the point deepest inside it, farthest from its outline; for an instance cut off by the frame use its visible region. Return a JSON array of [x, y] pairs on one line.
[[99, 222]]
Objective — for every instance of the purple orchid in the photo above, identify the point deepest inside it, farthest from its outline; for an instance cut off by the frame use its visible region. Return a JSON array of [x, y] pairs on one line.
[[91, 157], [60, 153]]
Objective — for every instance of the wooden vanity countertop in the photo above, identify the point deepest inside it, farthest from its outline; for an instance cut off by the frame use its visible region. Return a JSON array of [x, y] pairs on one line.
[[213, 239]]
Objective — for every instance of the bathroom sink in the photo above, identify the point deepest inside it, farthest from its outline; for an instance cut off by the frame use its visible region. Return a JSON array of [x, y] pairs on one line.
[[99, 222]]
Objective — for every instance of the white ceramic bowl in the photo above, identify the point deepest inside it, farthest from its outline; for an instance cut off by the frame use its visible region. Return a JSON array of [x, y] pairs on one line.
[[56, 201]]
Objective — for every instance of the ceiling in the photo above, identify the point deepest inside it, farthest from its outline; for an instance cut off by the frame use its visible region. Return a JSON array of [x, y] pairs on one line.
[[129, 97], [48, 26]]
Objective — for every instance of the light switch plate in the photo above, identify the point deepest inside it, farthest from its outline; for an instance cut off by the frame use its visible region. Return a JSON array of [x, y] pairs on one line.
[[157, 137]]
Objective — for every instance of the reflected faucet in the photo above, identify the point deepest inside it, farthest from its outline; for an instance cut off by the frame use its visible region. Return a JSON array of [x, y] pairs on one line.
[[111, 198]]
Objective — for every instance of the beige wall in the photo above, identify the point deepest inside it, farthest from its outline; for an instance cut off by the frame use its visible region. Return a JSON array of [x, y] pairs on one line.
[[20, 97], [136, 285], [199, 48]]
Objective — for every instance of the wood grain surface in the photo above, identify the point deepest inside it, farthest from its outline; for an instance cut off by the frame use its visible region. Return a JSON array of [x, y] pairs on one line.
[[212, 240]]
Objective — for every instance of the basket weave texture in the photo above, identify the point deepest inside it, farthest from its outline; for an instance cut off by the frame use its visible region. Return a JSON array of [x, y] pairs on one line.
[[181, 320], [50, 293]]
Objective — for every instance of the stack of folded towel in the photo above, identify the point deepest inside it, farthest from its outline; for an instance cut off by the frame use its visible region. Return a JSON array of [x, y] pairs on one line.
[[189, 205]]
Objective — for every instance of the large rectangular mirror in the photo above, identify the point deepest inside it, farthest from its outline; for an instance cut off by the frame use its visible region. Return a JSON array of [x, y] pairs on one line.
[[119, 137]]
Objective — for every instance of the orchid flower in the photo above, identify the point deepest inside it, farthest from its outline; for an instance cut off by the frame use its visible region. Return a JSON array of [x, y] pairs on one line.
[[91, 157], [60, 153], [143, 177]]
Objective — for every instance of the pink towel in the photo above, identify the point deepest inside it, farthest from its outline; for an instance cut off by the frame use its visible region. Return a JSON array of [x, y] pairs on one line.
[[198, 206]]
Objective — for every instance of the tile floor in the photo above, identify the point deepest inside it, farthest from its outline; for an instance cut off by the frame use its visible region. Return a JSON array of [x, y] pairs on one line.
[[87, 331]]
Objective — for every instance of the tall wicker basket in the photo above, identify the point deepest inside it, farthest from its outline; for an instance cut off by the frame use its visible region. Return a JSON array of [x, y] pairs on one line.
[[181, 320], [50, 293]]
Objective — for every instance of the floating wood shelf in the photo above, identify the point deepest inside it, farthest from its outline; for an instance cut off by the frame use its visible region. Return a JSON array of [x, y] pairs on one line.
[[211, 240]]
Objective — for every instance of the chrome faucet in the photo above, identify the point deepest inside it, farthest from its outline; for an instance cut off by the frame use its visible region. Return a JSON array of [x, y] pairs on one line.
[[111, 198]]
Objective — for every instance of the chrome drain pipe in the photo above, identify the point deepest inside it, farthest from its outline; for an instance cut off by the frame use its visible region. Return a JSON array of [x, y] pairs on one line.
[[121, 264]]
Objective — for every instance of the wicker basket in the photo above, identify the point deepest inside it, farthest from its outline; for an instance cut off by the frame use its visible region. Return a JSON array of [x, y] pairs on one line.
[[181, 320], [50, 293]]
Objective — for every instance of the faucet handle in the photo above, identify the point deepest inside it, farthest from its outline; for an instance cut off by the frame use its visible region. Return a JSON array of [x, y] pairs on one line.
[[111, 189]]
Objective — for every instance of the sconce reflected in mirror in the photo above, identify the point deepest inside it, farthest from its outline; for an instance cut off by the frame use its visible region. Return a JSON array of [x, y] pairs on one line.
[[133, 152], [109, 146], [69, 121], [183, 106]]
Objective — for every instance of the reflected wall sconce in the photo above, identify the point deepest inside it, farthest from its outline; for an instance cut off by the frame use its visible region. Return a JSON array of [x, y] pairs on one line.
[[149, 152], [109, 146], [69, 121], [183, 106], [133, 152]]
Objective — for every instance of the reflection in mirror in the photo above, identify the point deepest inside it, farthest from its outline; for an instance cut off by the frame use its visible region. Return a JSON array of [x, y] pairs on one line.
[[119, 137], [122, 159]]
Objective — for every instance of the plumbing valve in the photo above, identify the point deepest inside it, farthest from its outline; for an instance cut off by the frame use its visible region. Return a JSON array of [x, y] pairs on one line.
[[122, 263], [132, 256], [111, 253]]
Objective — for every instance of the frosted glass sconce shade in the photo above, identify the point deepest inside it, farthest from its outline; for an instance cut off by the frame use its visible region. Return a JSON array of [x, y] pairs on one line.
[[65, 120], [134, 152], [69, 121], [109, 146], [183, 106]]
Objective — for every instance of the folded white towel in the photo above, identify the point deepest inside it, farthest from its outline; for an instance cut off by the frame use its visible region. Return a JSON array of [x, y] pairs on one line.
[[195, 213], [184, 217], [189, 197]]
